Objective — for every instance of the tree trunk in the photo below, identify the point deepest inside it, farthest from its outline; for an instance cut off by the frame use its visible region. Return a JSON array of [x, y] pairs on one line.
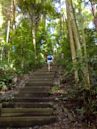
[[74, 39], [72, 45], [2, 51], [14, 13], [74, 29], [34, 39], [86, 69], [8, 31]]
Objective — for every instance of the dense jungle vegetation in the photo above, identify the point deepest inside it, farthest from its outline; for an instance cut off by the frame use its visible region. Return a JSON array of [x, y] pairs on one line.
[[30, 29]]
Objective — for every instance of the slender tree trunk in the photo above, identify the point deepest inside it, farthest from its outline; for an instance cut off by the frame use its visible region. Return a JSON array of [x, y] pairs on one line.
[[74, 29], [22, 59], [14, 13], [34, 39], [72, 45], [44, 21], [86, 69], [75, 40], [2, 51], [8, 31], [7, 40]]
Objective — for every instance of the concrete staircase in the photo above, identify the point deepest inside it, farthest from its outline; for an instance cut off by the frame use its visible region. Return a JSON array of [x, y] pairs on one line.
[[33, 105]]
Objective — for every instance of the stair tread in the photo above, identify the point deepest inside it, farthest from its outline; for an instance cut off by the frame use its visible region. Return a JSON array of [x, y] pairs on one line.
[[35, 92], [26, 112], [33, 104], [28, 104], [42, 98], [40, 81], [26, 121], [46, 84], [24, 109], [28, 118], [35, 89]]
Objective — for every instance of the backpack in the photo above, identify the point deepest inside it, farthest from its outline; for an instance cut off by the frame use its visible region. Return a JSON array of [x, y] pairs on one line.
[[49, 57]]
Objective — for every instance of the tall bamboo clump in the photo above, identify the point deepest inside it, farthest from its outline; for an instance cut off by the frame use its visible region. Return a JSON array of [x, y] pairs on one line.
[[78, 56]]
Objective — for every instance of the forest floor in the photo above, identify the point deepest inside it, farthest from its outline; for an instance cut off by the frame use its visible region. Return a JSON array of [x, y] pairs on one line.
[[67, 119]]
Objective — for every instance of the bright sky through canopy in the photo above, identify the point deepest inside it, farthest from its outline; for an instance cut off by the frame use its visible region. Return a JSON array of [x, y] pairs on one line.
[[1, 17]]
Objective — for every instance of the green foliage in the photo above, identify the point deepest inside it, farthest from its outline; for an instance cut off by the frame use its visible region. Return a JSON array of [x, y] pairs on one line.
[[6, 77], [22, 48], [55, 89], [86, 103], [2, 84], [91, 39]]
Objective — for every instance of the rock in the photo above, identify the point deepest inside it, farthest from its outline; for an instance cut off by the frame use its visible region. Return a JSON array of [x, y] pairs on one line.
[[4, 88]]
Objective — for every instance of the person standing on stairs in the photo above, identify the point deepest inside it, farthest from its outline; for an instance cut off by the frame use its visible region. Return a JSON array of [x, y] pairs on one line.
[[50, 59]]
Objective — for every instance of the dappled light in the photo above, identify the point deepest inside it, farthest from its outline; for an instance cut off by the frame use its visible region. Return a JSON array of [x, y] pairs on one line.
[[48, 64]]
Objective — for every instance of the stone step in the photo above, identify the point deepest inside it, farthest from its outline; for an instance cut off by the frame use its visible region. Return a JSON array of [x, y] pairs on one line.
[[27, 104], [42, 77], [16, 112], [42, 73], [34, 104], [44, 70], [46, 67], [31, 91], [32, 94], [28, 121], [35, 88], [39, 83], [34, 99]]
